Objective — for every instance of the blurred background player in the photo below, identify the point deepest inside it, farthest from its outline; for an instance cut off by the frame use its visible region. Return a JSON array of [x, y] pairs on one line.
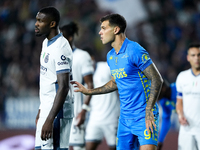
[[188, 101], [105, 108], [82, 70], [167, 100]]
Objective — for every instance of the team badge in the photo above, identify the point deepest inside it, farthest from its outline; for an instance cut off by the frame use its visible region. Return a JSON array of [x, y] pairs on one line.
[[111, 57], [145, 57], [46, 59], [116, 58]]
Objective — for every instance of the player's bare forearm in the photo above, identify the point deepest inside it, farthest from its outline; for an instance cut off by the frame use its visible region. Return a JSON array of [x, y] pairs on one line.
[[156, 84], [63, 82], [179, 106], [61, 94], [89, 82], [107, 88]]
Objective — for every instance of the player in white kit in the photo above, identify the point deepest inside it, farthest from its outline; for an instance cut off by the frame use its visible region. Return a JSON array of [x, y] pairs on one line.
[[82, 70], [188, 102], [54, 118], [105, 108]]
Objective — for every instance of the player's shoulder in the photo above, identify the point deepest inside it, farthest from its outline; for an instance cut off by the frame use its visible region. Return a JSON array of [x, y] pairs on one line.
[[134, 44], [62, 41], [102, 64], [185, 73], [81, 53], [134, 48]]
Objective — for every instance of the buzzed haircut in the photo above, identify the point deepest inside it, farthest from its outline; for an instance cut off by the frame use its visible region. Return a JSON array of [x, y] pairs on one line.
[[69, 29], [197, 45], [115, 20], [53, 13], [193, 45]]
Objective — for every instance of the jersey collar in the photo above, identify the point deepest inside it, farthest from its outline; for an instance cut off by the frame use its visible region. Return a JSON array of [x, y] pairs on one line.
[[194, 74], [123, 48], [51, 41]]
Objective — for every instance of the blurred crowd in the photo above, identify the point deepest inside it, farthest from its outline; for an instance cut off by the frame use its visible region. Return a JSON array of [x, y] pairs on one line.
[[170, 27]]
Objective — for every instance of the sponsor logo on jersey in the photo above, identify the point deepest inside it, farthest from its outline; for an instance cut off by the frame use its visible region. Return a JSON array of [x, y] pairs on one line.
[[119, 73], [63, 57], [62, 63], [125, 56]]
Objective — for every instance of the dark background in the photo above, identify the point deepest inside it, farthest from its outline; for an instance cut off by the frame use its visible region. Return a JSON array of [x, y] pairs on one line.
[[164, 28]]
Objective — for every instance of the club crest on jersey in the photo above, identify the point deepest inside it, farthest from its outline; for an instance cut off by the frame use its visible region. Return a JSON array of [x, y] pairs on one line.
[[116, 58], [145, 57], [46, 59], [111, 57], [63, 57]]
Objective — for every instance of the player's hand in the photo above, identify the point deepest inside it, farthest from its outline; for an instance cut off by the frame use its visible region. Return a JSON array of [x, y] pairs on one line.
[[149, 120], [80, 87], [81, 118], [182, 120], [160, 145], [47, 130]]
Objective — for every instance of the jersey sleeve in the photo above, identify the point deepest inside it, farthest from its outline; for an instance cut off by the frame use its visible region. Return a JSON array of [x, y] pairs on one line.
[[87, 66], [63, 59], [140, 57], [178, 86]]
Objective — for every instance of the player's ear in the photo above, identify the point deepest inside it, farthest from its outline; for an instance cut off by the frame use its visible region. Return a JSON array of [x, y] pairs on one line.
[[116, 30], [52, 24]]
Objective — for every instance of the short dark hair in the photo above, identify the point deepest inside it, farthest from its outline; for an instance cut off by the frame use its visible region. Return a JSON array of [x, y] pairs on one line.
[[197, 45], [193, 45], [52, 12], [69, 29], [115, 20]]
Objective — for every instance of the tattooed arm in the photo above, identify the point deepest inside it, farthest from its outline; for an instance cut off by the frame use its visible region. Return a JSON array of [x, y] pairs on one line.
[[107, 88], [152, 74]]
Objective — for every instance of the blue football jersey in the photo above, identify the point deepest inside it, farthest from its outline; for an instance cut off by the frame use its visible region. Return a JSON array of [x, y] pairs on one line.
[[168, 106], [133, 86]]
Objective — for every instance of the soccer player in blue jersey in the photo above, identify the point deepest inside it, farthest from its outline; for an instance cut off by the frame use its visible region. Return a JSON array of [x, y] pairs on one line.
[[138, 83], [167, 100]]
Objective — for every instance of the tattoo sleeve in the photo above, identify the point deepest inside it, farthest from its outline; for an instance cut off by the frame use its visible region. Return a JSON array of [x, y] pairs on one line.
[[152, 74], [107, 88]]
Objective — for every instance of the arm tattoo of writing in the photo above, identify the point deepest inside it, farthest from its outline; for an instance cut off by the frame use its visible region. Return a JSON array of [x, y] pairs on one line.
[[107, 88], [156, 83]]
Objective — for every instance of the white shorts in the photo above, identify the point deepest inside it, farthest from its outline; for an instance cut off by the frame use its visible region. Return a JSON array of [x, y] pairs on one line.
[[187, 141], [77, 135], [61, 133], [96, 132]]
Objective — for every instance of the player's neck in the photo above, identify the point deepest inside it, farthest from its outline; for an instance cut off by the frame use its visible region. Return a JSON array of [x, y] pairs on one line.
[[196, 71], [53, 33], [117, 43]]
